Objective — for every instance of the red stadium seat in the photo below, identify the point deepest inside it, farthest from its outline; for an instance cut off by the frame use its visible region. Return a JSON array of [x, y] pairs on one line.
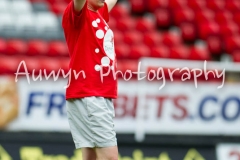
[[37, 47], [58, 8], [160, 51], [126, 24], [177, 3], [51, 1], [216, 5], [232, 43], [145, 25], [152, 39], [50, 65], [133, 37], [204, 16], [171, 39], [236, 18], [64, 62], [197, 5], [179, 52], [56, 1], [214, 45], [155, 4], [138, 51], [199, 53], [118, 36], [236, 56], [163, 18], [58, 48], [208, 29], [229, 29], [233, 5], [183, 15], [67, 1], [124, 65], [138, 6], [120, 11], [112, 23], [188, 32], [16, 46], [9, 65], [223, 17], [33, 1], [122, 50], [3, 46], [33, 64]]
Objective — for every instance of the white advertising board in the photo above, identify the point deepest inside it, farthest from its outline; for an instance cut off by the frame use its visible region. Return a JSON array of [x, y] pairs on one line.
[[178, 108], [228, 152]]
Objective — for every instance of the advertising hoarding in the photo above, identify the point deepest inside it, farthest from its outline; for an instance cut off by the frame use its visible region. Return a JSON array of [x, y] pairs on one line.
[[228, 151], [178, 108], [47, 151]]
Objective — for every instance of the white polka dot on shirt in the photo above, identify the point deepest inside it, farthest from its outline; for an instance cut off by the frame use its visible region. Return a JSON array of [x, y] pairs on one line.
[[96, 50], [94, 24], [105, 61], [100, 34], [97, 67]]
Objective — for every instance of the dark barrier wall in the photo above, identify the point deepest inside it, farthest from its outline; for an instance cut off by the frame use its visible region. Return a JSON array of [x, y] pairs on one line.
[[59, 146]]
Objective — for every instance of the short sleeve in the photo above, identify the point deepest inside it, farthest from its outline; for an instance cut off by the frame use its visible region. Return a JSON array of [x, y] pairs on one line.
[[72, 17], [104, 12]]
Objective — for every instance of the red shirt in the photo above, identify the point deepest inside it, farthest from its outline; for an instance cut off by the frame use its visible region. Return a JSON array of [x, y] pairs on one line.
[[91, 47]]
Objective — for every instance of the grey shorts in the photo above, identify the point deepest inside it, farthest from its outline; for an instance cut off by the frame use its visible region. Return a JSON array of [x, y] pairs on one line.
[[91, 122]]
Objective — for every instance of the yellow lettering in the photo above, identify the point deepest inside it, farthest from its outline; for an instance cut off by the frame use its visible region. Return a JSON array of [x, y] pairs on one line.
[[138, 155], [126, 158], [193, 155], [119, 157], [164, 156], [31, 153], [4, 155], [36, 153], [150, 158], [77, 155], [48, 157], [61, 157]]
